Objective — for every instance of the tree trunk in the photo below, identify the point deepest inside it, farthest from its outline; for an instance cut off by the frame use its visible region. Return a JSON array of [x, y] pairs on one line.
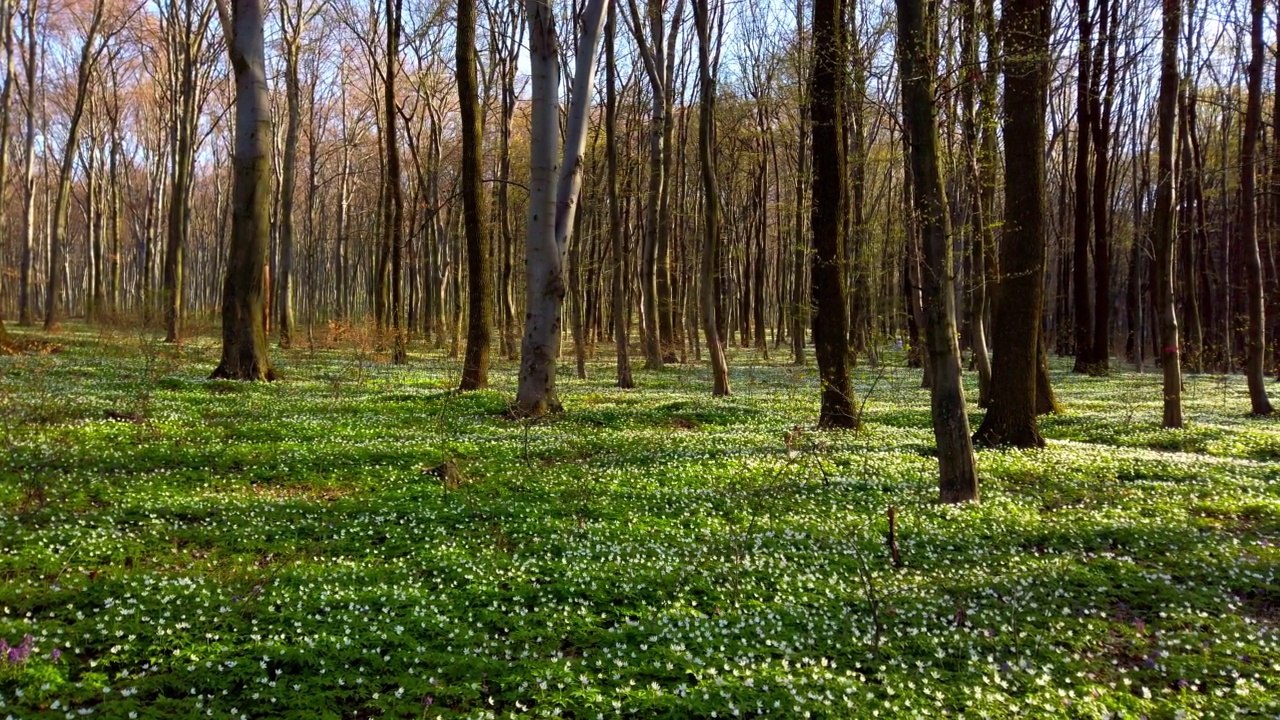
[[1103, 97], [1011, 419], [244, 332], [505, 42], [986, 192], [1081, 300], [553, 199], [89, 54], [1046, 402], [1163, 224], [799, 252], [393, 209], [578, 296], [475, 366], [6, 109], [620, 264], [1210, 347], [830, 318], [858, 240], [958, 480], [291, 21], [34, 60], [185, 43], [7, 13], [1193, 354], [711, 262], [1255, 370]]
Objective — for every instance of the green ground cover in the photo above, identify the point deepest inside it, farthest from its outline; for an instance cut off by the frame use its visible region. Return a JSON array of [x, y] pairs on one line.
[[358, 541]]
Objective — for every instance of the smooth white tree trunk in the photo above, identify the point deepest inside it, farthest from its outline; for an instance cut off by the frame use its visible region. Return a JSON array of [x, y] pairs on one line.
[[554, 185]]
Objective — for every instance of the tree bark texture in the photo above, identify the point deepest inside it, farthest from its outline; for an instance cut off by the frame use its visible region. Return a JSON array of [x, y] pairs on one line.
[[958, 479], [826, 217], [475, 364], [618, 248], [553, 196], [244, 331], [1011, 419], [1256, 340], [1163, 231], [711, 261]]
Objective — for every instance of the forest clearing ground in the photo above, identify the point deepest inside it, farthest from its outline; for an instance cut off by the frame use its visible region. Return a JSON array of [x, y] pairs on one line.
[[297, 549]]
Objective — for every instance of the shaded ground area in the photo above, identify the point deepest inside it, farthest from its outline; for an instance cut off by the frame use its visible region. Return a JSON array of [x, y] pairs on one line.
[[357, 541]]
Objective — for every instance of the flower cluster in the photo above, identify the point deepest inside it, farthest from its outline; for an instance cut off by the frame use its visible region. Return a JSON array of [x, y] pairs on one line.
[[17, 654]]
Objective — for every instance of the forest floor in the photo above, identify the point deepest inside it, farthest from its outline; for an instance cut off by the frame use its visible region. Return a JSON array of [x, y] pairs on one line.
[[359, 541]]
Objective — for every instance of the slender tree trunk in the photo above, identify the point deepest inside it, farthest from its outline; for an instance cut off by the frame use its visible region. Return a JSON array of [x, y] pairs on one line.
[[1011, 419], [977, 212], [475, 366], [711, 262], [89, 54], [958, 479], [800, 247], [507, 40], [393, 209], [577, 294], [1272, 254], [291, 21], [858, 241], [34, 59], [1193, 356], [244, 332], [1103, 98], [620, 264], [1163, 224], [116, 221], [830, 332], [342, 291], [986, 193], [6, 109], [1210, 345], [1081, 299], [1256, 343], [183, 42]]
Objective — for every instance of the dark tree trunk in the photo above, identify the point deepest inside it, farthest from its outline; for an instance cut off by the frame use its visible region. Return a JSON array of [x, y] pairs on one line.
[[980, 234], [1272, 253], [830, 334], [958, 480], [799, 254], [1102, 101], [1163, 225], [1082, 306], [393, 209], [1193, 354], [475, 365], [711, 261], [1206, 301], [858, 239], [1046, 401], [1011, 420], [1256, 343], [620, 264]]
